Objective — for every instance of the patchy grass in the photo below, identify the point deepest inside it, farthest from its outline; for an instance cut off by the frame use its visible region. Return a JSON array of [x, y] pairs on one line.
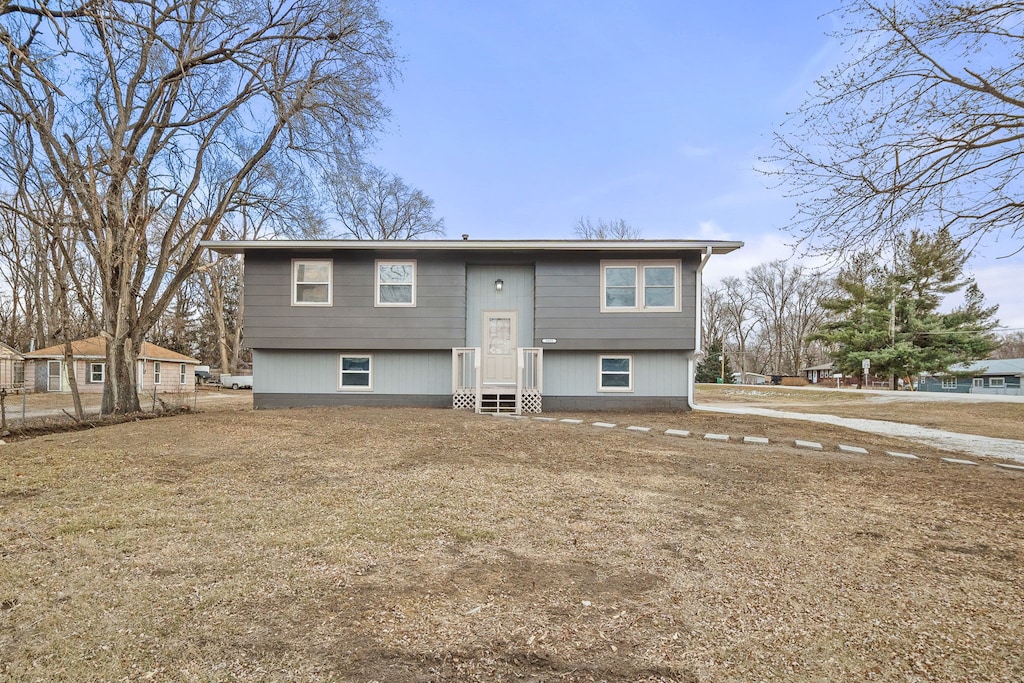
[[420, 545]]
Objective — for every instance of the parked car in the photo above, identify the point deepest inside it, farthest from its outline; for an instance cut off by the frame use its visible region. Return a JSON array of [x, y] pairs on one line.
[[236, 381]]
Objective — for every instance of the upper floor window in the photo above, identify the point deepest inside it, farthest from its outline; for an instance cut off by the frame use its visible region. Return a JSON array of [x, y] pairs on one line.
[[628, 286], [311, 282], [395, 283]]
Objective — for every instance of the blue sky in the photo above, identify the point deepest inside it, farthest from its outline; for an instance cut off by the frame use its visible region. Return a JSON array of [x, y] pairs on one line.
[[520, 117]]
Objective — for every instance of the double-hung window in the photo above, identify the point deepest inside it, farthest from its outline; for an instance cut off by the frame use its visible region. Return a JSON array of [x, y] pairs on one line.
[[949, 382], [615, 373], [395, 283], [156, 372], [355, 372], [631, 286], [311, 282], [182, 374], [96, 373]]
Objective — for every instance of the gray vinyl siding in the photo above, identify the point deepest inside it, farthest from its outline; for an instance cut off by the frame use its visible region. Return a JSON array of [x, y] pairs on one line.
[[438, 321], [576, 373], [516, 295], [316, 372], [568, 308]]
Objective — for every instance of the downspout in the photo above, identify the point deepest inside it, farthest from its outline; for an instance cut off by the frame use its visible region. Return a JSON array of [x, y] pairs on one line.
[[690, 369]]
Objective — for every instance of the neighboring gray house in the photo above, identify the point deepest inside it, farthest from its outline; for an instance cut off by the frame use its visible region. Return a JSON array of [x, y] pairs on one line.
[[501, 326], [1001, 376]]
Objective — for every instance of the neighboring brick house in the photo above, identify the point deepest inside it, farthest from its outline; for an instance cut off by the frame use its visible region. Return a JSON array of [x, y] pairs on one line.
[[495, 325], [157, 367]]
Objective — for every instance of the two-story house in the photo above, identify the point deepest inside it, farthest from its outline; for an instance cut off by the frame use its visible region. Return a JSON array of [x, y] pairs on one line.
[[503, 326]]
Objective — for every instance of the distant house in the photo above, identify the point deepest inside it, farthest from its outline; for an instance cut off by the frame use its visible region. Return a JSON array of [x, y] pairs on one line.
[[157, 367], [818, 373], [1002, 377], [496, 326], [12, 369]]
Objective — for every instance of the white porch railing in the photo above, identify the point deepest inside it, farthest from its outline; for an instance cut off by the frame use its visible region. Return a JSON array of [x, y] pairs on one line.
[[529, 380], [467, 387], [466, 378]]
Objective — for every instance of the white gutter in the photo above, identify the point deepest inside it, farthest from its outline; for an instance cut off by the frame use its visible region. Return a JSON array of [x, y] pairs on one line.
[[690, 369]]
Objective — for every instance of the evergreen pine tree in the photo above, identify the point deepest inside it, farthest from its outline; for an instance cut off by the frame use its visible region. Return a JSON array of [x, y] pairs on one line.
[[709, 369], [890, 315]]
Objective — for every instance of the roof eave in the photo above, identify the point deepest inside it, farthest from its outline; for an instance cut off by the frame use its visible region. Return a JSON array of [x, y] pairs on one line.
[[231, 247]]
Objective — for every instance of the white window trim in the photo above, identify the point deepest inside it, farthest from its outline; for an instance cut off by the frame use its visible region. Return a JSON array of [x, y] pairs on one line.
[[992, 382], [103, 372], [377, 283], [978, 382], [182, 374], [158, 376], [677, 267], [949, 382], [341, 364], [601, 373], [329, 283]]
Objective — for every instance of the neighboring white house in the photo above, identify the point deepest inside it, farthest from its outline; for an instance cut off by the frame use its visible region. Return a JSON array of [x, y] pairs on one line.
[[12, 368], [159, 368]]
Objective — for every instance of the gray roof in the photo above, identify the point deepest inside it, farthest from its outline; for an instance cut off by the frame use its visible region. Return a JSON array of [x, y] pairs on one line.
[[625, 246], [1002, 366]]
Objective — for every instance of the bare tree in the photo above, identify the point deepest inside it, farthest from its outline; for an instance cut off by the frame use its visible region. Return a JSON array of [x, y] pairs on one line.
[[737, 314], [121, 106], [920, 126], [617, 229], [372, 204], [711, 322], [1011, 345]]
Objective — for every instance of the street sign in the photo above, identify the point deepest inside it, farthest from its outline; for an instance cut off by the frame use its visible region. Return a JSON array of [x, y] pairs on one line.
[[866, 363]]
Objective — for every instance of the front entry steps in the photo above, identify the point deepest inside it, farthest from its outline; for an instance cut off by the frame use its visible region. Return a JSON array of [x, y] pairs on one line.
[[497, 402]]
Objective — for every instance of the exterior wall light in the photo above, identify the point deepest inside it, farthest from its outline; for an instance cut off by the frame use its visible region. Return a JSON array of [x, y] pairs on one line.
[[498, 284]]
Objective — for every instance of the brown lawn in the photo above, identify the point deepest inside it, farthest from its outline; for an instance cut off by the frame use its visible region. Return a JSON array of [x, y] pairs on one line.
[[431, 545], [996, 419]]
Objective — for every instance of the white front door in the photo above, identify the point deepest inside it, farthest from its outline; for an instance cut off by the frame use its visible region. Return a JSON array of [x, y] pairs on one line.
[[498, 350]]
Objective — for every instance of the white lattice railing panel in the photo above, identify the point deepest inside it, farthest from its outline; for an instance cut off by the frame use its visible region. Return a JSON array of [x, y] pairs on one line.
[[464, 400], [530, 401]]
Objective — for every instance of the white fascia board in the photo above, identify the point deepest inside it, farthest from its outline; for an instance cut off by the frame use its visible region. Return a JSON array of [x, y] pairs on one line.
[[623, 246]]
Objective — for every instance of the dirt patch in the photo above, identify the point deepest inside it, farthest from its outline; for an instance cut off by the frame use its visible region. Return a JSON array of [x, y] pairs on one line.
[[430, 545]]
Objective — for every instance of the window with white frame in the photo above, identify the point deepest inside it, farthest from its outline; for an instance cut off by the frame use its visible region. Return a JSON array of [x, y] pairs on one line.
[[978, 382], [629, 286], [395, 283], [355, 372], [96, 371], [156, 372], [311, 282], [183, 374], [997, 382], [949, 382], [616, 373]]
